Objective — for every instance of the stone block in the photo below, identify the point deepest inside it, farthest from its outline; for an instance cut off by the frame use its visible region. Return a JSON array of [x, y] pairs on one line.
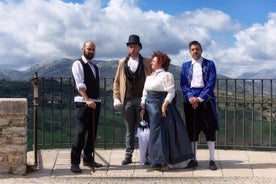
[[13, 135], [13, 106]]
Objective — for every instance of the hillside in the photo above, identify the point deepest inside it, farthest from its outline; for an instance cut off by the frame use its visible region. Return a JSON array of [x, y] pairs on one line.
[[62, 68], [8, 74], [263, 74]]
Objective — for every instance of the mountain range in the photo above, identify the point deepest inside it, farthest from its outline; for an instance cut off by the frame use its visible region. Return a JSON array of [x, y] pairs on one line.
[[62, 68], [263, 74]]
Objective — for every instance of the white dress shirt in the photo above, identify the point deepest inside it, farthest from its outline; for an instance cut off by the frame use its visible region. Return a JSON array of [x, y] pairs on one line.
[[197, 79]]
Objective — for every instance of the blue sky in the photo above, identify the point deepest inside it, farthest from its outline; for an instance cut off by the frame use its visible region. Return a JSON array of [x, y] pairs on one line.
[[237, 34], [246, 11]]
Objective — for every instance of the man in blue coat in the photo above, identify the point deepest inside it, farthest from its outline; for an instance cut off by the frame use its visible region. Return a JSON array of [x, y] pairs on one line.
[[197, 81]]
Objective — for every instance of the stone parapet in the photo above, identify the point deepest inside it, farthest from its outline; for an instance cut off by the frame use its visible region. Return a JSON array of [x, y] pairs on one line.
[[13, 135]]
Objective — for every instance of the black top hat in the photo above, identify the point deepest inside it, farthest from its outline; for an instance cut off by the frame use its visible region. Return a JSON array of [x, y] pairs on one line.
[[134, 39]]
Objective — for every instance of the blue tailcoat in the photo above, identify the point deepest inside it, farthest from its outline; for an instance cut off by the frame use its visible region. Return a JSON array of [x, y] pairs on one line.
[[209, 77]]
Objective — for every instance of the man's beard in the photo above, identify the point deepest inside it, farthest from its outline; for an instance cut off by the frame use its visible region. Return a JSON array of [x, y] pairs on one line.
[[88, 56]]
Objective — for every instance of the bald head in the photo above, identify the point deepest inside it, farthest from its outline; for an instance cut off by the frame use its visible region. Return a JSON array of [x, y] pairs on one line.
[[88, 43], [89, 50]]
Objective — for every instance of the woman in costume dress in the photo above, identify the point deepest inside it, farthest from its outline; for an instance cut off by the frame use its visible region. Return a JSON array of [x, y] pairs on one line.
[[169, 143]]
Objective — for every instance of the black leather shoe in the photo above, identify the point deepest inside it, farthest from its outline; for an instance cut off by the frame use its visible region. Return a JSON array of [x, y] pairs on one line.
[[212, 165], [75, 168], [192, 164], [164, 167], [155, 165], [90, 164], [126, 161]]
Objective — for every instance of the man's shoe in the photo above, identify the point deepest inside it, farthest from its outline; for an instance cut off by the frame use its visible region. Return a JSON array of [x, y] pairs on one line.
[[90, 164], [126, 161], [164, 167], [155, 165], [192, 164], [98, 165], [75, 168], [212, 165]]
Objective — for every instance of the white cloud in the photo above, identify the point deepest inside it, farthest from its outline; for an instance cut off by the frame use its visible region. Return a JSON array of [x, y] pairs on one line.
[[36, 30], [254, 49], [210, 19]]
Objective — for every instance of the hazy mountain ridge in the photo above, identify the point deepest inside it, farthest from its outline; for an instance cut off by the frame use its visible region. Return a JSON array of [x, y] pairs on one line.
[[9, 74], [263, 74], [62, 68]]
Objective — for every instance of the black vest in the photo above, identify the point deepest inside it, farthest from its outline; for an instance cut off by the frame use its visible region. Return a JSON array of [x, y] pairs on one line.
[[92, 83]]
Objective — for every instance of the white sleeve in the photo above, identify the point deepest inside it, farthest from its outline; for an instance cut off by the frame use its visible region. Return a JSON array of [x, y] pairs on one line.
[[78, 73], [145, 93], [169, 86]]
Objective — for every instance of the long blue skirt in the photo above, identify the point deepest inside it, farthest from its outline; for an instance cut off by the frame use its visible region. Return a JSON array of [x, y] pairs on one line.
[[168, 141]]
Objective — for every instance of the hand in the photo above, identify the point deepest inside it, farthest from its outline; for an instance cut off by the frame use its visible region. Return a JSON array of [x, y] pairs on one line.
[[194, 102], [142, 113], [163, 108], [91, 103], [117, 107], [194, 105]]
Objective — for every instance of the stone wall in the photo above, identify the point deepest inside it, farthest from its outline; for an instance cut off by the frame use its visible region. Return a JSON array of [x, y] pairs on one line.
[[13, 135]]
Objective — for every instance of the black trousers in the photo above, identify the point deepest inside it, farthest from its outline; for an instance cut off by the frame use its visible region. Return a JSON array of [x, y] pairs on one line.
[[200, 119], [85, 135]]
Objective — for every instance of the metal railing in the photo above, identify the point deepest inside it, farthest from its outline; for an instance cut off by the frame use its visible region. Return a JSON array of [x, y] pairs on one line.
[[246, 109]]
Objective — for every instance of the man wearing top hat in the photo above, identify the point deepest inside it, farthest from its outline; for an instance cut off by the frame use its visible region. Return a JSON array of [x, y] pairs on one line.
[[127, 90]]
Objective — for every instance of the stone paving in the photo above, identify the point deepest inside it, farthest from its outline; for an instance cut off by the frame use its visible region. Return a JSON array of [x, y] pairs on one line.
[[234, 166]]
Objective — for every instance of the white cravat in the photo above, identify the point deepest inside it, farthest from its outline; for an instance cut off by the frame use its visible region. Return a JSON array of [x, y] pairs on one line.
[[197, 80], [133, 64]]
